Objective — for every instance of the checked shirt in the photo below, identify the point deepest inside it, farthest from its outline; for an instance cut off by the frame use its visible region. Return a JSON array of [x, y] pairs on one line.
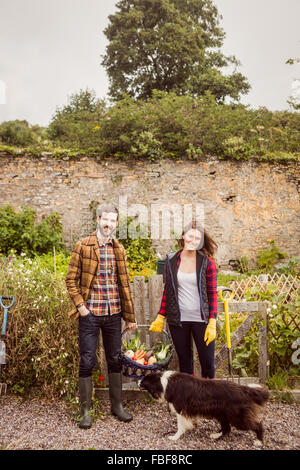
[[104, 296]]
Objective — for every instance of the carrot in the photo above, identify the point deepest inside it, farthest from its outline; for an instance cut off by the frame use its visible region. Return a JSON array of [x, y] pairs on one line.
[[137, 354], [140, 354]]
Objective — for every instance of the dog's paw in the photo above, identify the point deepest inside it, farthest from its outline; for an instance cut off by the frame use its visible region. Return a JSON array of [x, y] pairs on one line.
[[257, 443], [216, 435], [174, 437]]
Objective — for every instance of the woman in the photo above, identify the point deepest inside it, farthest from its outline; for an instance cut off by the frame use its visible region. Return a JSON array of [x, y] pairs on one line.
[[189, 300]]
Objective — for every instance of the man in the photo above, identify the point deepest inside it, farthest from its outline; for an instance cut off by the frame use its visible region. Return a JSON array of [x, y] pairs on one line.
[[98, 284]]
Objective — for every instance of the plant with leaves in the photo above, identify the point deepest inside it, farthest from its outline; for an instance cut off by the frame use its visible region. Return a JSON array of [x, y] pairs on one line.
[[77, 123], [267, 257], [21, 232], [18, 132], [41, 342], [138, 244], [283, 330], [169, 45]]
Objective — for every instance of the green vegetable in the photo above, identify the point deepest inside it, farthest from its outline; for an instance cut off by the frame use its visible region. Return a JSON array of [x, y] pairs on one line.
[[162, 354], [135, 343]]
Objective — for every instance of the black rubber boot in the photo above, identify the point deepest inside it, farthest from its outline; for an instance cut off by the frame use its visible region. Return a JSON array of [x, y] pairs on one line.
[[115, 395], [85, 396]]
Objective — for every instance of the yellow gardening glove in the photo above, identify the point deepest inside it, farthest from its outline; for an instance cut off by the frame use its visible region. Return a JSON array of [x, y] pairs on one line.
[[210, 332], [157, 325]]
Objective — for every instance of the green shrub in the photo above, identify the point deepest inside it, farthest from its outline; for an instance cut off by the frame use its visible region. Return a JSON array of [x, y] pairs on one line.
[[141, 256], [236, 148], [57, 265], [19, 231], [17, 133], [266, 258], [292, 267], [146, 146], [41, 340], [77, 123], [172, 126], [243, 264]]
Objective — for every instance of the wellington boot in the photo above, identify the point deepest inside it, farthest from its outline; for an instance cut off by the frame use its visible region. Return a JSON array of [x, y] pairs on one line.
[[115, 395], [85, 396]]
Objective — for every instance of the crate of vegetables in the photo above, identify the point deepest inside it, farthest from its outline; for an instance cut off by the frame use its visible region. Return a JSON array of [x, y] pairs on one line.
[[139, 358]]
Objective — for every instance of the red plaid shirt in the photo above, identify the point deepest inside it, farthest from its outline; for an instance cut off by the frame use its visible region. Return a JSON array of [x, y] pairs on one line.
[[211, 284], [104, 295]]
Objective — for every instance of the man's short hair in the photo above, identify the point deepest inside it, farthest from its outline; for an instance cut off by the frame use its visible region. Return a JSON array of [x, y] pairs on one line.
[[107, 208]]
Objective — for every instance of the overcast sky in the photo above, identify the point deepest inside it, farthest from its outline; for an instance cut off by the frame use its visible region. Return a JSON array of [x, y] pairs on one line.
[[50, 49]]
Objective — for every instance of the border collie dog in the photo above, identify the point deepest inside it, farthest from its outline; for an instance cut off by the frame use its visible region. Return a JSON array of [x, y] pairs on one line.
[[190, 397]]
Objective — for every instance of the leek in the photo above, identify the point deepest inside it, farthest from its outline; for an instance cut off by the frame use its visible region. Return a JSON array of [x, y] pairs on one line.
[[162, 354]]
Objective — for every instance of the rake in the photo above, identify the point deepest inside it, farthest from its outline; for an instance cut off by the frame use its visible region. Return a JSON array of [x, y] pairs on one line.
[[3, 386]]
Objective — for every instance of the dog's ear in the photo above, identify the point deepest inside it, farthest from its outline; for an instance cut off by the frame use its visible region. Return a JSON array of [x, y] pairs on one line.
[[154, 385]]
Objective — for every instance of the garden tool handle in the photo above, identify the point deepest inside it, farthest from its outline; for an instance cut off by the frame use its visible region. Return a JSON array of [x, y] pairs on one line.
[[225, 289], [7, 297], [3, 331], [6, 308], [227, 326]]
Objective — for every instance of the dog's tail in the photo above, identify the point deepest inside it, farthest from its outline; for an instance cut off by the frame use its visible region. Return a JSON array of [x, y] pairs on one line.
[[258, 393]]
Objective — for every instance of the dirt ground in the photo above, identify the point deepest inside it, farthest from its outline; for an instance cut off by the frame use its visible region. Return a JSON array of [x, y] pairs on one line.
[[38, 424]]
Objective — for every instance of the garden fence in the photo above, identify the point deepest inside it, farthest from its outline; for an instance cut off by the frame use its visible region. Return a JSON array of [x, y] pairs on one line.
[[147, 299], [279, 286]]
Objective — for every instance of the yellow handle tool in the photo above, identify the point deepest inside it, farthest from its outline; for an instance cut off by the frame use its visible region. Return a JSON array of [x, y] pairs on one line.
[[227, 324]]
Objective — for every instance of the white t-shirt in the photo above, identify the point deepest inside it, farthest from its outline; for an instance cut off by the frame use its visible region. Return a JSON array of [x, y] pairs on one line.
[[188, 296]]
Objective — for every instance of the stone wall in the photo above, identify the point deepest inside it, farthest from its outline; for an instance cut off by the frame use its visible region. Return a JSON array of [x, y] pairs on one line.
[[246, 203]]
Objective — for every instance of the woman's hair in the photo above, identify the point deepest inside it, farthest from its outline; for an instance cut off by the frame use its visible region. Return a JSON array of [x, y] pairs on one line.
[[208, 245]]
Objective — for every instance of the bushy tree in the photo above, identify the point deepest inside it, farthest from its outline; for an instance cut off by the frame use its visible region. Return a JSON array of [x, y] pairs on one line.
[[17, 132], [169, 45], [77, 122]]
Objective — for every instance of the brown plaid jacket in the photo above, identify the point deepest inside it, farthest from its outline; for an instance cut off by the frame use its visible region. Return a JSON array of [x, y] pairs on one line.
[[84, 266]]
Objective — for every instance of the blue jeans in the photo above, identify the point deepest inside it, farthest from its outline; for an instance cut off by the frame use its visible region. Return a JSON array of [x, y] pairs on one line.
[[182, 340], [89, 328]]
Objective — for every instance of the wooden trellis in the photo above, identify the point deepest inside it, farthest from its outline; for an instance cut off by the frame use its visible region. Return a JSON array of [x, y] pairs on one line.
[[282, 285]]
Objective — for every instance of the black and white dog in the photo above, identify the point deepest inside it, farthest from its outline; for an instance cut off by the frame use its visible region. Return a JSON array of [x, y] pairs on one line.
[[190, 397]]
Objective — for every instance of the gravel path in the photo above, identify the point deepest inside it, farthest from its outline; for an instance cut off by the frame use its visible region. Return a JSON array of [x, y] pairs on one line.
[[39, 424]]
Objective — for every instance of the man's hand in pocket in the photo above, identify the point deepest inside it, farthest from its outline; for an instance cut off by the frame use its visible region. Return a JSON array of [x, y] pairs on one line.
[[83, 311]]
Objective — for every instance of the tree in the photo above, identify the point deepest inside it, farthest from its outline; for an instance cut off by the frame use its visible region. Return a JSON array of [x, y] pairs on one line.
[[169, 45], [17, 132], [77, 122]]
